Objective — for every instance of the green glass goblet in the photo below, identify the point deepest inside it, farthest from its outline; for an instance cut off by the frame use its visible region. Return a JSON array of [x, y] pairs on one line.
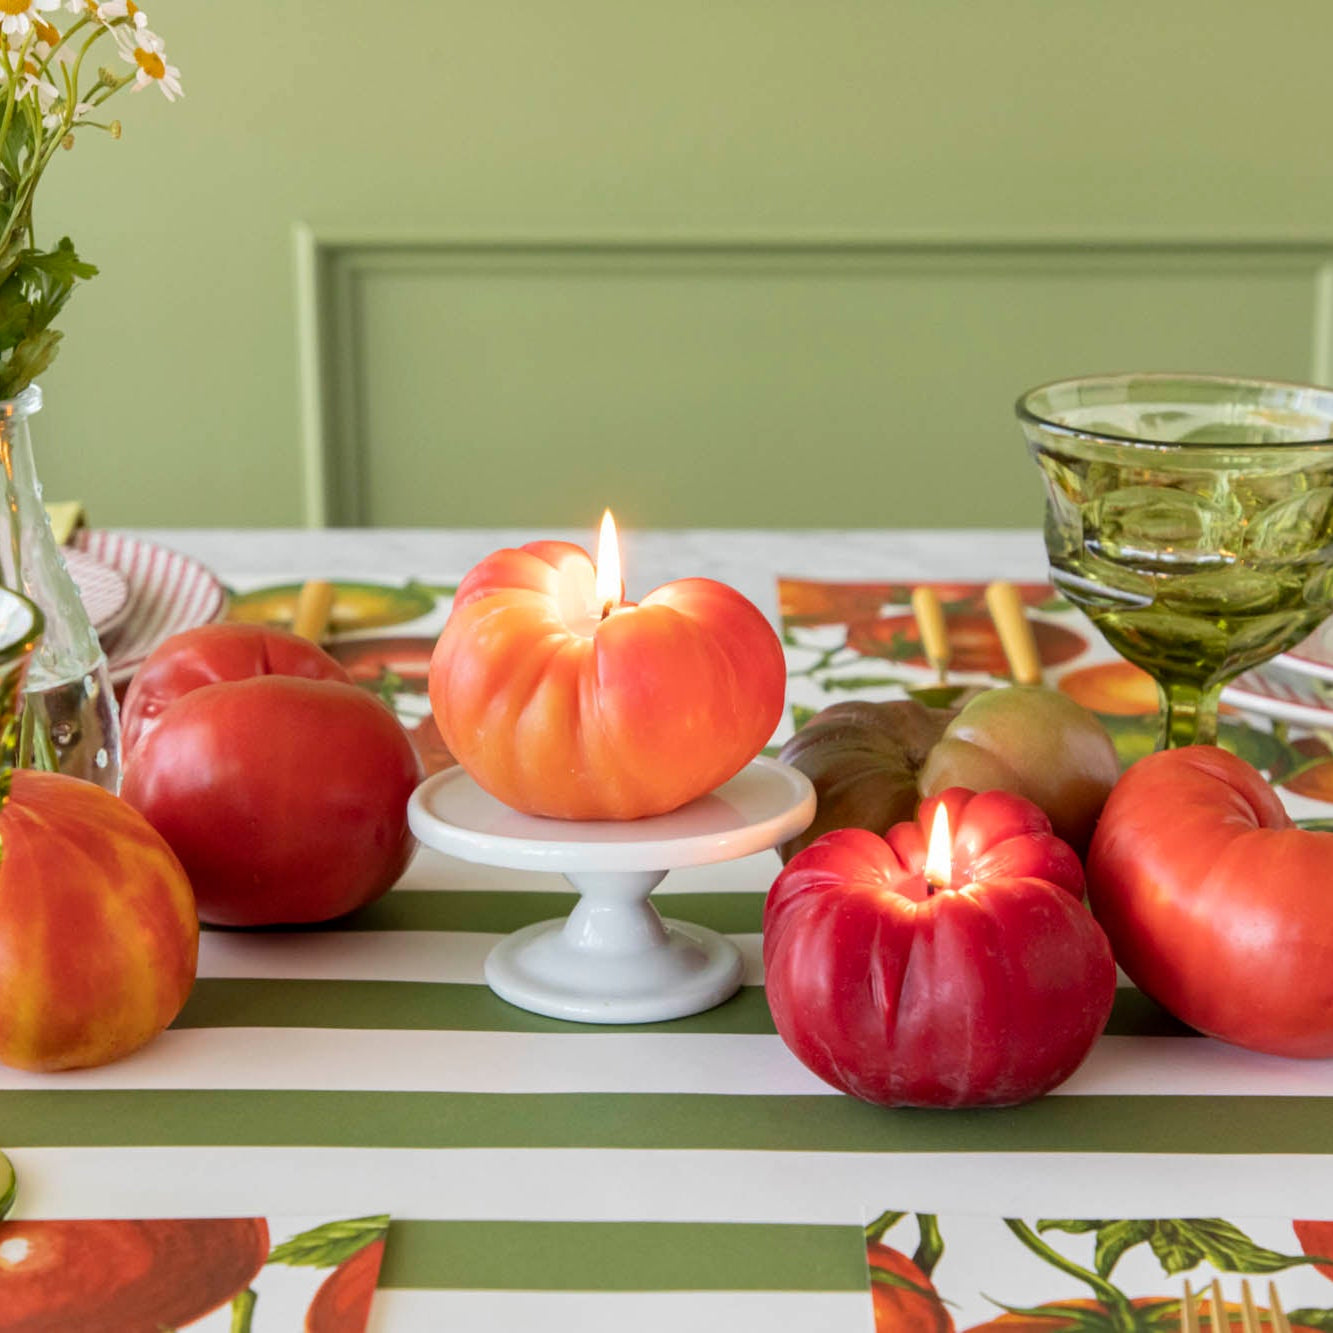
[[1191, 518]]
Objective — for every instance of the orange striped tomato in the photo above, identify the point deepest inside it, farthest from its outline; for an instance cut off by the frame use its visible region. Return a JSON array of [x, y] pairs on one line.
[[558, 709], [98, 931]]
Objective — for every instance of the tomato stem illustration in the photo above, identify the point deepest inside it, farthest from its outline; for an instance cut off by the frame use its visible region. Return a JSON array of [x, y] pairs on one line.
[[931, 1247], [1117, 1303], [875, 1231], [243, 1310]]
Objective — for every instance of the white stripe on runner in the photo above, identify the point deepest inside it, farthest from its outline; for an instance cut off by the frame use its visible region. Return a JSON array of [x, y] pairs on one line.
[[615, 1312], [658, 1185], [313, 1059], [606, 1061], [388, 955]]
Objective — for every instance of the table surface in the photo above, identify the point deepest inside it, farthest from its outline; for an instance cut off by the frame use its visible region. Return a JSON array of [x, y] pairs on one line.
[[550, 1175]]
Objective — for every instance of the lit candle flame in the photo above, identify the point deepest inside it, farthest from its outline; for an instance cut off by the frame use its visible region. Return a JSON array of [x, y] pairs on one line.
[[608, 565], [939, 857]]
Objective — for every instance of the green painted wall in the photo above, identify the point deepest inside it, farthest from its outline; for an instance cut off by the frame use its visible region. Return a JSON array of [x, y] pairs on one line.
[[762, 262]]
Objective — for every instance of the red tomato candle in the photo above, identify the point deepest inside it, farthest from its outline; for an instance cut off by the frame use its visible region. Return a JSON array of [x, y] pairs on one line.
[[561, 699], [967, 974]]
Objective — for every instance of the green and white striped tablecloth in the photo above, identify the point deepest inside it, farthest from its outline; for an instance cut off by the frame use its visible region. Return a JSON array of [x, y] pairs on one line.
[[556, 1176]]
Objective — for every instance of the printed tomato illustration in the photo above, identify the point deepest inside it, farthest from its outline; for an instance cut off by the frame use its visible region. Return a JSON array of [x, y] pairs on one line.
[[1316, 1238], [1152, 1314], [811, 602], [403, 662], [905, 1301], [430, 747], [124, 1276], [1118, 688], [976, 645], [342, 1303]]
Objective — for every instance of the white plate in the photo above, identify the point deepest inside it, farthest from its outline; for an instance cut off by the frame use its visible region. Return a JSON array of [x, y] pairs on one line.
[[1313, 656], [168, 593], [1275, 691], [104, 591]]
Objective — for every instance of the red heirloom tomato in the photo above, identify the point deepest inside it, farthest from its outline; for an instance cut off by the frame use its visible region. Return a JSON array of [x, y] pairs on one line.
[[559, 710], [124, 1277], [342, 1303], [285, 799], [904, 1298], [98, 932], [209, 654], [1215, 904], [987, 990]]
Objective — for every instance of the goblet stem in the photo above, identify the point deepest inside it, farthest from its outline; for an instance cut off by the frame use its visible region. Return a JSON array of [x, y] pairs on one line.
[[1189, 714]]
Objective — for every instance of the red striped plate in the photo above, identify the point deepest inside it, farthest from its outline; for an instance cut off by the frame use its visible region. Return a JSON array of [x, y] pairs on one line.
[[169, 592], [1275, 692]]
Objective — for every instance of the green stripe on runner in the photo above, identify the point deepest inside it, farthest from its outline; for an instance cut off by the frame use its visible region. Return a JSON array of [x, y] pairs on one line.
[[500, 912], [220, 1002], [418, 1006], [1127, 1124], [624, 1256]]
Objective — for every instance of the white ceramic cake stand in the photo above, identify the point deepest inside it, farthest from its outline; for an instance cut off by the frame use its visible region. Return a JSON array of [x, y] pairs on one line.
[[614, 959]]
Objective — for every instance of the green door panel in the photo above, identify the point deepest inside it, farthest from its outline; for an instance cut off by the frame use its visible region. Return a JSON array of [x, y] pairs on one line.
[[759, 263]]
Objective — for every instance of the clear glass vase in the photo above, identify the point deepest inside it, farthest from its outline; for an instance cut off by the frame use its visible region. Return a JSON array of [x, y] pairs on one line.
[[69, 720]]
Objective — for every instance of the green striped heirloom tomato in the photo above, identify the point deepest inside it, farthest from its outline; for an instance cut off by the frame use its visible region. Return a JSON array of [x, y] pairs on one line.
[[982, 983], [1216, 904], [98, 932]]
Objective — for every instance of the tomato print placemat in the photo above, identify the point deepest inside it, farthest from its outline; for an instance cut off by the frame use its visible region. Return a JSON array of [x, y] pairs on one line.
[[966, 1273], [860, 641], [210, 1275]]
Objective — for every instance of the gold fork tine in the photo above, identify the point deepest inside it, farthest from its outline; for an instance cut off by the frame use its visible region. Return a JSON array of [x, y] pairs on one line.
[[1220, 1322], [1189, 1315], [1249, 1312], [1278, 1316]]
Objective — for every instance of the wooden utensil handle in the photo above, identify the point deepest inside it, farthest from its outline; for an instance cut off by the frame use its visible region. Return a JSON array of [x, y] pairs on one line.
[[1016, 637], [313, 605], [933, 629]]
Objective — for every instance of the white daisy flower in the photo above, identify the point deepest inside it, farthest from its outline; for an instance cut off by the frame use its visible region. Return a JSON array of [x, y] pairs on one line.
[[16, 16], [122, 9], [153, 68], [44, 90]]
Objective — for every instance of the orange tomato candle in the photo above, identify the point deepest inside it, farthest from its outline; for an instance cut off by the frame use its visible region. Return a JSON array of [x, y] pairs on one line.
[[562, 699]]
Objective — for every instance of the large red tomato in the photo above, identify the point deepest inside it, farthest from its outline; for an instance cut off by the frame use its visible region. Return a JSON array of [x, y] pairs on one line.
[[98, 933], [560, 710], [285, 799], [124, 1276], [989, 990], [209, 654], [1215, 904]]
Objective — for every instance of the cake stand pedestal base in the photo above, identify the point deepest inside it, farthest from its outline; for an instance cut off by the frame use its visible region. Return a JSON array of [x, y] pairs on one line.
[[614, 959]]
